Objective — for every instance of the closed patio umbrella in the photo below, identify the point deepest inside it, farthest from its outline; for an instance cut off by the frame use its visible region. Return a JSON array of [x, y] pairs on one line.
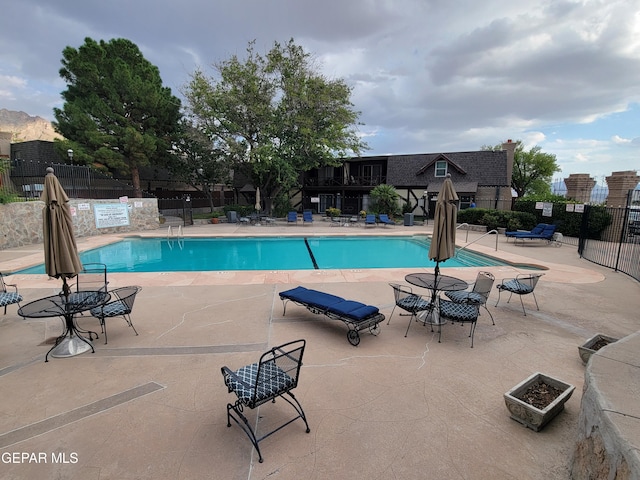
[[443, 240], [61, 258]]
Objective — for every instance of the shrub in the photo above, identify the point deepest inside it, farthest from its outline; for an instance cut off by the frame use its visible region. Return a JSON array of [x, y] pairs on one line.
[[494, 219], [384, 199]]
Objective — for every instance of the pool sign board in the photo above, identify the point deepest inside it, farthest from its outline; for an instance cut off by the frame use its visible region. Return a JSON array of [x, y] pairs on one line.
[[111, 215]]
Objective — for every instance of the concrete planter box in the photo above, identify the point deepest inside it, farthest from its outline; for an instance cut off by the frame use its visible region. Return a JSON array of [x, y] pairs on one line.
[[587, 349], [530, 416]]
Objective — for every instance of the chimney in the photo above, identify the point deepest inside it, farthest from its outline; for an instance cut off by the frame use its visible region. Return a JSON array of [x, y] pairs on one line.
[[510, 148]]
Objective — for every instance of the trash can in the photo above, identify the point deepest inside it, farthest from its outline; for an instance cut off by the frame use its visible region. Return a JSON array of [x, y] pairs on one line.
[[408, 219], [232, 216]]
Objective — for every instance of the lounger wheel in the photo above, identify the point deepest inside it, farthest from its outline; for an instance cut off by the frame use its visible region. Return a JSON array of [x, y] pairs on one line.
[[374, 329], [353, 337]]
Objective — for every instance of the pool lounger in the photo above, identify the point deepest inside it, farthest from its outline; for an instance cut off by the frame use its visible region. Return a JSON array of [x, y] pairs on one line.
[[357, 316]]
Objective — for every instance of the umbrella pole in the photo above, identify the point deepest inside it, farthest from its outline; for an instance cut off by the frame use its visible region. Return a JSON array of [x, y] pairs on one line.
[[65, 289], [434, 292]]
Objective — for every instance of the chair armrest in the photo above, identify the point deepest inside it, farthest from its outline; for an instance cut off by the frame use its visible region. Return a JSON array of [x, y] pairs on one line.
[[228, 373], [12, 285]]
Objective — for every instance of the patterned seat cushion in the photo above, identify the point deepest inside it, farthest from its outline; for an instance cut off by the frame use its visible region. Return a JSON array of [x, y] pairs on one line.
[[469, 297], [7, 298], [79, 298], [459, 312], [113, 309], [273, 380], [516, 287], [414, 302]]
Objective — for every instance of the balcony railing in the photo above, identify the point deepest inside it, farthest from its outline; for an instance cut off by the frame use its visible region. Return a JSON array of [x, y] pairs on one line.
[[352, 181]]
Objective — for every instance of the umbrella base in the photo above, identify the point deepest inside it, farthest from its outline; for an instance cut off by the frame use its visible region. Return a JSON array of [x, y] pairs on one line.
[[71, 346], [430, 317]]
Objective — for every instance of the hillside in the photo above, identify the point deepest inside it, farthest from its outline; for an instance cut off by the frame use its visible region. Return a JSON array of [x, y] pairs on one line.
[[24, 127]]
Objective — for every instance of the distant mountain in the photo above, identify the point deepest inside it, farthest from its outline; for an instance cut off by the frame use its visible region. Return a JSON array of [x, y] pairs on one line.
[[24, 127]]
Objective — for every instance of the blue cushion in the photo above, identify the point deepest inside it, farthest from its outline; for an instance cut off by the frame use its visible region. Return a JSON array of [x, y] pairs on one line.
[[459, 312], [273, 380], [311, 297], [516, 287], [354, 310], [469, 297], [114, 309], [534, 231], [7, 298]]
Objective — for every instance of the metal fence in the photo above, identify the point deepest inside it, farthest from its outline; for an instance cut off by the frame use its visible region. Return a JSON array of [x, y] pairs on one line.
[[619, 245], [78, 181]]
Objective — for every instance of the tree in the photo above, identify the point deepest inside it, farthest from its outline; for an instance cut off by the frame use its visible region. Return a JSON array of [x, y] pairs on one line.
[[274, 116], [532, 170], [116, 111], [197, 163]]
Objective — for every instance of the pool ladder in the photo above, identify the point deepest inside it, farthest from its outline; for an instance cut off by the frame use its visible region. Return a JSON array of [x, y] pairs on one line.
[[477, 239], [173, 236]]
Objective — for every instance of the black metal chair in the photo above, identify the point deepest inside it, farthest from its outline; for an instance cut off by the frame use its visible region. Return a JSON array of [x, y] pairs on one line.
[[272, 377], [120, 305], [8, 297], [409, 302], [478, 294], [93, 277], [461, 312], [523, 284]]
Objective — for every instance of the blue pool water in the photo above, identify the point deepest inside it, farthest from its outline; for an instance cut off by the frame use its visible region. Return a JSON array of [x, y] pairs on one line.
[[270, 253]]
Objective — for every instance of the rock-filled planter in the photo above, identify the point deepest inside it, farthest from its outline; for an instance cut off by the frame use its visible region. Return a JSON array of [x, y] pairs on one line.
[[534, 402], [594, 344]]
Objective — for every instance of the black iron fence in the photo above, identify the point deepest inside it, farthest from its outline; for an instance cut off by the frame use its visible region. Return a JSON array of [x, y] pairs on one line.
[[78, 181], [618, 247]]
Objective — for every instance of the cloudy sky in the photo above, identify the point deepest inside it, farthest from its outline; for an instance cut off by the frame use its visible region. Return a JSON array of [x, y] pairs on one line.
[[427, 75]]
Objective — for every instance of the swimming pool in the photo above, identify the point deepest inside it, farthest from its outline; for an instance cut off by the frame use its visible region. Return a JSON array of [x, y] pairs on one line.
[[270, 253]]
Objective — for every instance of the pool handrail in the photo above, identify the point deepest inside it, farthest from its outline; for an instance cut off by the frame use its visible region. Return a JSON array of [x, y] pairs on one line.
[[479, 238]]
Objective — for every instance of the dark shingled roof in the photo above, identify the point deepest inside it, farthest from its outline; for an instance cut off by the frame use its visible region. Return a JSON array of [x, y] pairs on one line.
[[485, 167]]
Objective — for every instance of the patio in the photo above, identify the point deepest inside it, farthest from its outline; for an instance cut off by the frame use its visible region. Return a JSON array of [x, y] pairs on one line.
[[153, 406]]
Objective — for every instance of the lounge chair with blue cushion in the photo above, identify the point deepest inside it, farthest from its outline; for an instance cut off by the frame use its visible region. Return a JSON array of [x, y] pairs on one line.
[[534, 231], [307, 217], [385, 220], [357, 316], [370, 219], [292, 217], [272, 377], [547, 234]]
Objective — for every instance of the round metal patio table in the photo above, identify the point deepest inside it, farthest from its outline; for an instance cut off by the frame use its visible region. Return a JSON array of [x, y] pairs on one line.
[[70, 342]]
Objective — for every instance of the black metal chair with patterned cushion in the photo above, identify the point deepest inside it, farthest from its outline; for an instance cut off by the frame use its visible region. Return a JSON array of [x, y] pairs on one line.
[[8, 297], [409, 302], [120, 305], [478, 294], [460, 312], [272, 377], [523, 284]]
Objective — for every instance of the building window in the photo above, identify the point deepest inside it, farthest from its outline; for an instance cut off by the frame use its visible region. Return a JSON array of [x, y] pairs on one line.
[[441, 168]]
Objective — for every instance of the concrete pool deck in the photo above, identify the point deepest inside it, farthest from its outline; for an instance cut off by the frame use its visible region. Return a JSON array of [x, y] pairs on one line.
[[153, 406]]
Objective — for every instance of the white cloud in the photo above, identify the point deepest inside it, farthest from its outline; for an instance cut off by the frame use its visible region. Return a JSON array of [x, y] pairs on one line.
[[427, 75]]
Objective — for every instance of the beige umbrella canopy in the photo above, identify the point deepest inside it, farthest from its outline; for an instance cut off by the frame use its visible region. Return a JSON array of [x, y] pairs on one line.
[[61, 258], [443, 240]]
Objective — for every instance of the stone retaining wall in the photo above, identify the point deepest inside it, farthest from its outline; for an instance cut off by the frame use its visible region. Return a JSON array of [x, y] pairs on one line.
[[609, 427], [21, 222]]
